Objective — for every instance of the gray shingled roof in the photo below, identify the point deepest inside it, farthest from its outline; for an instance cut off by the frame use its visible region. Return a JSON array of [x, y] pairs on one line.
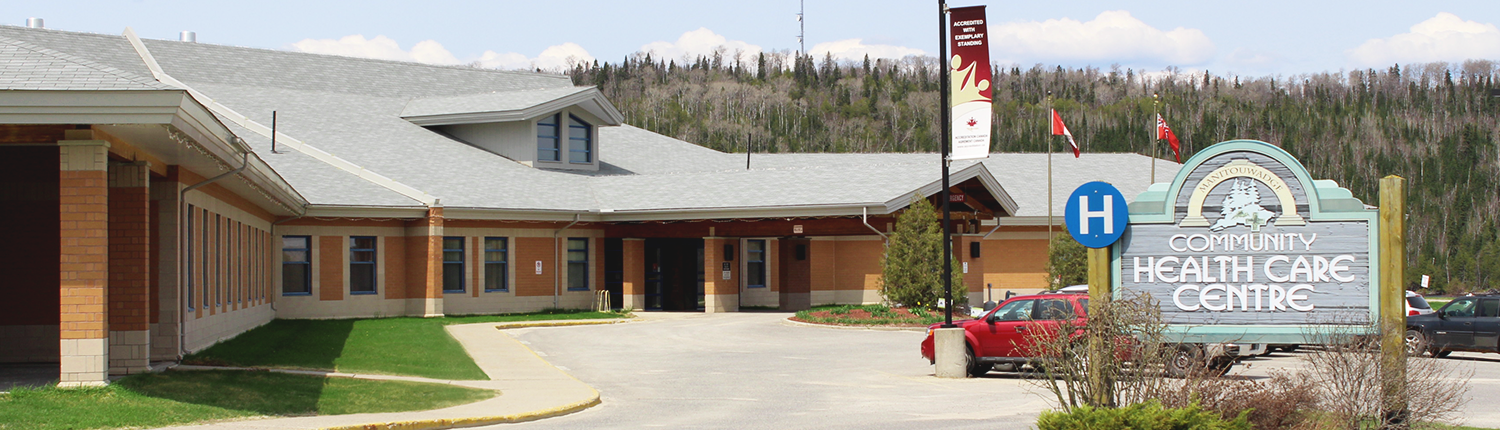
[[352, 108], [24, 66], [498, 101]]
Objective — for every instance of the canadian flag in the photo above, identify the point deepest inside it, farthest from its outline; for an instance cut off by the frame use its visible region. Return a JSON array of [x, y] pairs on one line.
[[1164, 132], [1059, 128]]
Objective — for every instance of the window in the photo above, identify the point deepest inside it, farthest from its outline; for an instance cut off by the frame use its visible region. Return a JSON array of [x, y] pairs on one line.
[[578, 264], [496, 251], [1462, 307], [549, 138], [1019, 310], [206, 247], [1054, 309], [755, 264], [218, 260], [453, 264], [580, 141], [191, 248], [296, 265], [362, 265]]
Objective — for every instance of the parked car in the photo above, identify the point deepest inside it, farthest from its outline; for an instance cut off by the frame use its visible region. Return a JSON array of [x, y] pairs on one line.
[[1469, 323], [998, 339], [1416, 304]]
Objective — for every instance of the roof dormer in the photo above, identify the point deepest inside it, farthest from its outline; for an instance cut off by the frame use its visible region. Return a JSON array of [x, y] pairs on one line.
[[554, 128]]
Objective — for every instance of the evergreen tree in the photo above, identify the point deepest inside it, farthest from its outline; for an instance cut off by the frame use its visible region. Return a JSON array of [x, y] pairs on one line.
[[1067, 262], [911, 270]]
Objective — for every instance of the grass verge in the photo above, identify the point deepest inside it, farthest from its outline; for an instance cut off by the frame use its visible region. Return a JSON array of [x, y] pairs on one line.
[[391, 346], [879, 315], [169, 398]]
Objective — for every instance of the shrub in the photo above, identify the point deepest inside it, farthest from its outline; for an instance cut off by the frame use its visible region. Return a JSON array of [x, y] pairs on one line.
[[1140, 416], [1067, 262], [912, 269], [1284, 401]]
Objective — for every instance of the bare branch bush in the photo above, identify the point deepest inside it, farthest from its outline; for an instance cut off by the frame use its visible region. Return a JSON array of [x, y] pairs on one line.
[[1133, 352], [1347, 373]]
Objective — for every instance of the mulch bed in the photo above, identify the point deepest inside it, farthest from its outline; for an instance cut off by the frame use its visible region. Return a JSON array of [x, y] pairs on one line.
[[898, 317]]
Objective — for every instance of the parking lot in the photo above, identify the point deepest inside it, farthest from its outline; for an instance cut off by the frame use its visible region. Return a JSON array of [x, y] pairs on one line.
[[754, 370]]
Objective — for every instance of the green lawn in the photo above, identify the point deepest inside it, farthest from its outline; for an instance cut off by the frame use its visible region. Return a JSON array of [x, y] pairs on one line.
[[180, 397], [391, 346]]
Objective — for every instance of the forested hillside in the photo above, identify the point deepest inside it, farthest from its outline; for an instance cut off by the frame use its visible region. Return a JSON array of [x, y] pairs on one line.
[[1435, 124]]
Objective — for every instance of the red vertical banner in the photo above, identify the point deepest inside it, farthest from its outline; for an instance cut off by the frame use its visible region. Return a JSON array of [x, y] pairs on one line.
[[969, 73]]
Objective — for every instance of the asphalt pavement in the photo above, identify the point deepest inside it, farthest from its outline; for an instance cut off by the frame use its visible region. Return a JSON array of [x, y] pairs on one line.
[[756, 370]]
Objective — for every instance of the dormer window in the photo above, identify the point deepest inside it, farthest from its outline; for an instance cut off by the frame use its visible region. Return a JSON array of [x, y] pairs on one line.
[[580, 141], [549, 138]]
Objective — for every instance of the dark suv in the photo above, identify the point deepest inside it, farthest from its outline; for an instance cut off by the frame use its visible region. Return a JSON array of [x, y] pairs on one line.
[[1469, 323]]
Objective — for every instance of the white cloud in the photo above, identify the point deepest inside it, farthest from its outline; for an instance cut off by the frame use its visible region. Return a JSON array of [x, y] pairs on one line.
[[555, 57], [381, 47], [856, 49], [1113, 36], [701, 42], [1444, 37]]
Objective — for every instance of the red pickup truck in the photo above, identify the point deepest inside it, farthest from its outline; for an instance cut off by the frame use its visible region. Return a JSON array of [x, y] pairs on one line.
[[998, 338]]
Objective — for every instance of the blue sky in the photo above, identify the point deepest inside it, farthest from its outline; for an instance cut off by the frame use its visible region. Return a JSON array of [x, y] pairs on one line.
[[1245, 38]]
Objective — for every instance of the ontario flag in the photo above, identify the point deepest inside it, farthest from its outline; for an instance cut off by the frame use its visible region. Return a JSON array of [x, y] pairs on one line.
[[1164, 132], [1059, 128]]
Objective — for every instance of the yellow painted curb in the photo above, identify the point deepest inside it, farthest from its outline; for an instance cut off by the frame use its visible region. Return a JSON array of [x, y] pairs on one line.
[[447, 423]]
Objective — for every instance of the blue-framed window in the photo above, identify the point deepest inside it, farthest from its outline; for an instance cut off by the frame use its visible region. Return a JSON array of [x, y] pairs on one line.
[[580, 141], [206, 247], [496, 270], [191, 283], [453, 264], [549, 138], [578, 264], [237, 244], [362, 265], [755, 264], [296, 265], [218, 260]]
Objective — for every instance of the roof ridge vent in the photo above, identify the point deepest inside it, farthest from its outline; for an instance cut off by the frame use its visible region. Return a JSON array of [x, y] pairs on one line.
[[188, 36], [34, 23]]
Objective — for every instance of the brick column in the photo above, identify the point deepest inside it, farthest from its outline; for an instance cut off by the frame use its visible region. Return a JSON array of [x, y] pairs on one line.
[[424, 265], [83, 198], [129, 268], [719, 294], [633, 289]]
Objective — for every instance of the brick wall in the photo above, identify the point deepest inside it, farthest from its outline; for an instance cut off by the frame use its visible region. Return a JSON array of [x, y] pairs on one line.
[[395, 267], [529, 250], [331, 273]]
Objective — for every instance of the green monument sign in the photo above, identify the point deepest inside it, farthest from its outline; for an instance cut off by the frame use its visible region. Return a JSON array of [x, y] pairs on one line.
[[1244, 246]]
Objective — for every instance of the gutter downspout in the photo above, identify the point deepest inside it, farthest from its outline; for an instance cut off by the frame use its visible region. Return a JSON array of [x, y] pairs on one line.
[[182, 286], [993, 230], [865, 218], [556, 258]]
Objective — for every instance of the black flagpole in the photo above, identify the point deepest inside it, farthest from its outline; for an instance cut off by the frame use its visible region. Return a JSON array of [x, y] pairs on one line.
[[945, 122]]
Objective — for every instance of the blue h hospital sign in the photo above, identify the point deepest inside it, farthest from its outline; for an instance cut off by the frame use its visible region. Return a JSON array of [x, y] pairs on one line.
[[1096, 214]]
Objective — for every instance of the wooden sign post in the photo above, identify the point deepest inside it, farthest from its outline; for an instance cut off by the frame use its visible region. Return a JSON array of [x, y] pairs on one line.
[[1393, 299]]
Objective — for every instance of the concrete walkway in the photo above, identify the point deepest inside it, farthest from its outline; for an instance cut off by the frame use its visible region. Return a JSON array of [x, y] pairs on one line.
[[530, 389]]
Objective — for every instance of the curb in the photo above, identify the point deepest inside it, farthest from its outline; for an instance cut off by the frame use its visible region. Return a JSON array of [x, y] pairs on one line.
[[564, 323], [447, 423], [789, 321]]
